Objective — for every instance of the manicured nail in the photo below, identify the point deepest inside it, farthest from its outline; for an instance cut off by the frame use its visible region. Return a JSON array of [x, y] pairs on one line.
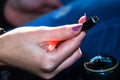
[[77, 28], [82, 19]]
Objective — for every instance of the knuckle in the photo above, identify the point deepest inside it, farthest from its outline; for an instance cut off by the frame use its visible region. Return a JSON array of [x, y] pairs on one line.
[[49, 65]]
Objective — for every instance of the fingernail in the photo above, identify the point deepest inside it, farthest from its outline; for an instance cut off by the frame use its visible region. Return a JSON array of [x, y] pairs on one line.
[[77, 28], [82, 19]]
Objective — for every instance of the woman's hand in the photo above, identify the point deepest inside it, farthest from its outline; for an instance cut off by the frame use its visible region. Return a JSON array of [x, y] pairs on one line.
[[36, 49]]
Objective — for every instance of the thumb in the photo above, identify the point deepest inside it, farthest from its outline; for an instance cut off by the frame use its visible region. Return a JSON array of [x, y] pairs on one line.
[[62, 32]]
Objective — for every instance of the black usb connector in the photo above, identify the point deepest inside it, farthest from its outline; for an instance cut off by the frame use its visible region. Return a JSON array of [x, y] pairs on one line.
[[90, 23]]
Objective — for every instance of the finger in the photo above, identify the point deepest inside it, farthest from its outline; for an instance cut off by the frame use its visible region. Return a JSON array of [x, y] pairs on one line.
[[58, 34], [82, 19], [68, 47], [61, 33], [69, 61]]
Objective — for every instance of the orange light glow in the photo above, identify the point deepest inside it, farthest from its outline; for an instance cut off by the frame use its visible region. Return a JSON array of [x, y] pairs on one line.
[[52, 45]]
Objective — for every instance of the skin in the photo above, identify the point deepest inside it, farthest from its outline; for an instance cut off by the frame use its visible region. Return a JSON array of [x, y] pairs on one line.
[[28, 48], [36, 49]]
